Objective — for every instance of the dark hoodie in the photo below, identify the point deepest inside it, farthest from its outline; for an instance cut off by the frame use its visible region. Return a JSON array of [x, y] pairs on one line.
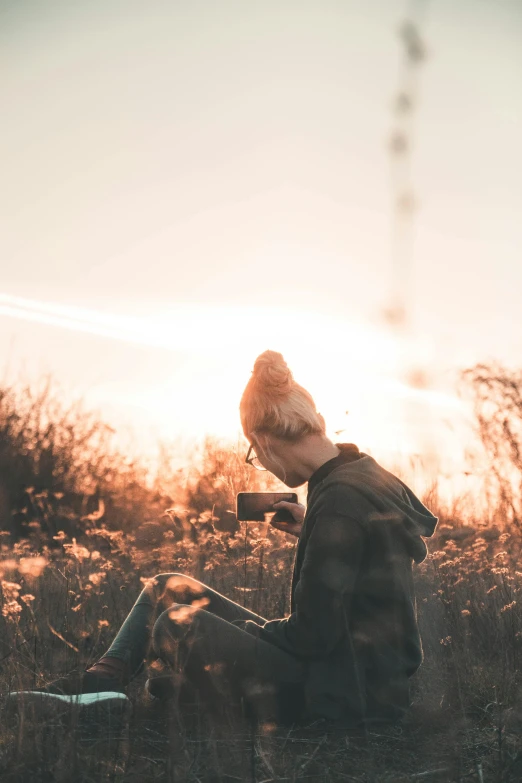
[[353, 614]]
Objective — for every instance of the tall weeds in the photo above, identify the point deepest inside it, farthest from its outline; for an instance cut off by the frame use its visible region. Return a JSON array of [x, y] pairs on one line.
[[83, 528]]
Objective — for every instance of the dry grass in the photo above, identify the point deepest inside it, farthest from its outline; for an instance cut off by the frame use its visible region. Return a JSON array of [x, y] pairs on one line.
[[65, 589]]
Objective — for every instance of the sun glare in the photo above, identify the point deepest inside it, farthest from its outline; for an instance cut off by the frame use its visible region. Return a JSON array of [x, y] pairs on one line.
[[352, 370]]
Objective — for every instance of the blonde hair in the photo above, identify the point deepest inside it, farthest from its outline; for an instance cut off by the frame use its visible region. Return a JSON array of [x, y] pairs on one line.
[[274, 403]]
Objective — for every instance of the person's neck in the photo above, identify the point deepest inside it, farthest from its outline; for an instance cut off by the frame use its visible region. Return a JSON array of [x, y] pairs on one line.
[[312, 455]]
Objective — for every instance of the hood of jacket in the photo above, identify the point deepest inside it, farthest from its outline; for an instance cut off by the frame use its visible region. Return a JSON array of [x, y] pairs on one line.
[[365, 490]]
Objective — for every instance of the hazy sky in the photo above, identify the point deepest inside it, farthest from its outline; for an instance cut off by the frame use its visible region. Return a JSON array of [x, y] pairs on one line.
[[207, 167]]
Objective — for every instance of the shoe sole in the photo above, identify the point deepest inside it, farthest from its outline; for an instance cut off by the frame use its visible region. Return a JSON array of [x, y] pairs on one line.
[[108, 708]]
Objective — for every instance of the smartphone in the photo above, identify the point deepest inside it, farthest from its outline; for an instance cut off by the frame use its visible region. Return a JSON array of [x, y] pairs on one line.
[[252, 506]]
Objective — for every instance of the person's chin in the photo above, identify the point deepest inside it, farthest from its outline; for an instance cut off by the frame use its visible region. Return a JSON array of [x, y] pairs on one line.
[[293, 482]]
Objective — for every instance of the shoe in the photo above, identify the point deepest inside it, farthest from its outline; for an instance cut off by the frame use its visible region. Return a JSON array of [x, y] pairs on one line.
[[81, 682], [86, 698], [160, 688]]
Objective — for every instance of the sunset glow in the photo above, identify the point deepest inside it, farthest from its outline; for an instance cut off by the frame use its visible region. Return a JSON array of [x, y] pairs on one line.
[[156, 239], [354, 376]]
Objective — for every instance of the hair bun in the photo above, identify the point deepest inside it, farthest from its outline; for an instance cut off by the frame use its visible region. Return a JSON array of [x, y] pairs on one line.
[[273, 374]]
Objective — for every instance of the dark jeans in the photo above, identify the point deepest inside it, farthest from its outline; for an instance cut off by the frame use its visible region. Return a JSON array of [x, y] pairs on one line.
[[189, 626]]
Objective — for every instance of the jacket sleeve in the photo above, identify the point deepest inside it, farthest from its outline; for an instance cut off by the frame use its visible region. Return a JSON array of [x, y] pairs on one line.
[[323, 593]]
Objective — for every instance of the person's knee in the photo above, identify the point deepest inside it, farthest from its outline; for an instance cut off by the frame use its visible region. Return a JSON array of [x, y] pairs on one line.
[[173, 626], [177, 583], [163, 579]]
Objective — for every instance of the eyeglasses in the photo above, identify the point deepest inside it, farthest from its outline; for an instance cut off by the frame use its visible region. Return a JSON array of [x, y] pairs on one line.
[[254, 460]]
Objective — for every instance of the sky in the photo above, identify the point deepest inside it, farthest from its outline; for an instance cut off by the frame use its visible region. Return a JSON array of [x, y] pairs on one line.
[[188, 184]]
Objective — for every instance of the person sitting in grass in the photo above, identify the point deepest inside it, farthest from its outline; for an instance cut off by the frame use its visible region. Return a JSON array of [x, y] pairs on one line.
[[348, 648]]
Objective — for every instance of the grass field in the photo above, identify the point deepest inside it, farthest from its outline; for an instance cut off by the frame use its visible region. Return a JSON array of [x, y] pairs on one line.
[[83, 528]]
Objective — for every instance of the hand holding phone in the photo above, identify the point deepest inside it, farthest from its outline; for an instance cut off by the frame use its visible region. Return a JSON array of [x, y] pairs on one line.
[[252, 506], [296, 510], [289, 516]]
